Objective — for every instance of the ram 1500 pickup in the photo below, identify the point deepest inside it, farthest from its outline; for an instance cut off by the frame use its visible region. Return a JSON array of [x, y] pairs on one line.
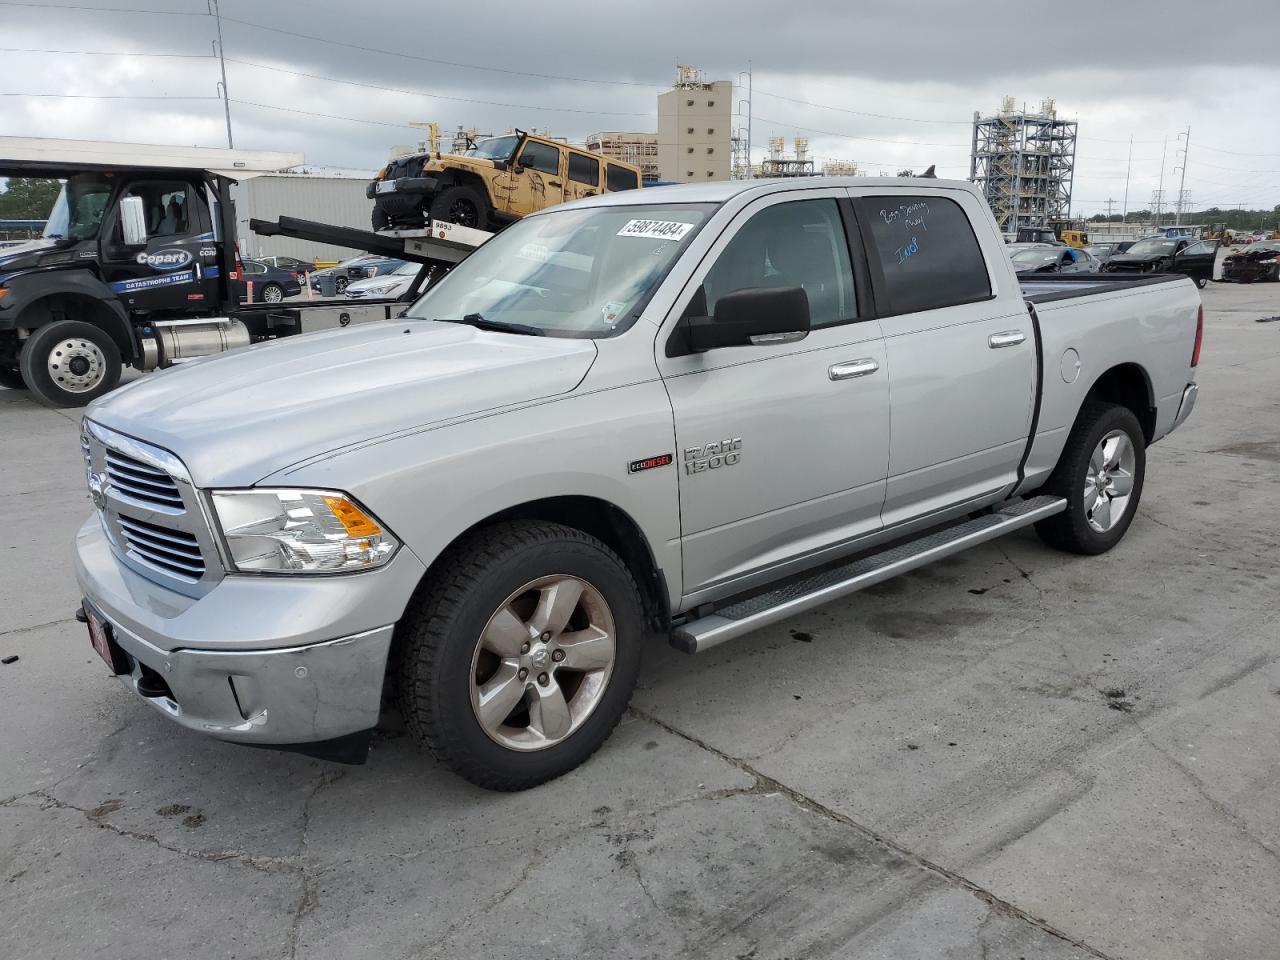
[[689, 410]]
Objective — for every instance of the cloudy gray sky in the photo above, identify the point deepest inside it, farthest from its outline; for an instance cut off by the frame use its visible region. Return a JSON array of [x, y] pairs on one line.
[[891, 85]]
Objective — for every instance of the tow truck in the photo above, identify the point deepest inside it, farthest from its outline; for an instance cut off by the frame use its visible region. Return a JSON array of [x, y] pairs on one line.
[[138, 265]]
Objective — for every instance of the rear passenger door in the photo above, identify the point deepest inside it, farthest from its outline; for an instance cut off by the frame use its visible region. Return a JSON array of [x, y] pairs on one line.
[[1197, 261], [583, 176], [961, 359]]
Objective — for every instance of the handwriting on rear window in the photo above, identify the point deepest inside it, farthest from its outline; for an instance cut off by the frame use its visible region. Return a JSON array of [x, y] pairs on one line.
[[907, 215]]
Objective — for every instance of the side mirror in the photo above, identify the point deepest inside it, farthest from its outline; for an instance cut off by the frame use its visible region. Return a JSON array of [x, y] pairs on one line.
[[133, 221], [755, 317]]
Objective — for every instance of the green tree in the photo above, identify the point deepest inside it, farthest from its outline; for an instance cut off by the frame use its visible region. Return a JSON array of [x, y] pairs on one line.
[[28, 198], [906, 173]]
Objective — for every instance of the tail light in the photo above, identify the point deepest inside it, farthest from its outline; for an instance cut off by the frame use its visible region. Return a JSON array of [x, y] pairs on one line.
[[237, 273], [1195, 353]]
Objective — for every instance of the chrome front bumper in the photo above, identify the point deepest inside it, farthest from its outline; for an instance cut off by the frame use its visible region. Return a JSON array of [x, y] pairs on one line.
[[264, 661]]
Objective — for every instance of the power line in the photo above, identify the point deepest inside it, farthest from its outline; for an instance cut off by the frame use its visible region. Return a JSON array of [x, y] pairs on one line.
[[109, 53], [311, 113], [41, 5], [104, 96], [849, 136], [427, 93], [444, 63], [859, 113]]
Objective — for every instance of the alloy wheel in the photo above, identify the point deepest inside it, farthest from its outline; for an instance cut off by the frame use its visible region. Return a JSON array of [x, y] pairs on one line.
[[1108, 483]]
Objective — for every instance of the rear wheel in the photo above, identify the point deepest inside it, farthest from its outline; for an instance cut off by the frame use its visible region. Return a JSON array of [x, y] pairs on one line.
[[340, 285], [69, 363], [1100, 475], [517, 663], [461, 205], [1202, 282]]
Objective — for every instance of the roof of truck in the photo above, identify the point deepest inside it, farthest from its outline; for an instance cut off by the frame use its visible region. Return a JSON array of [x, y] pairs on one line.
[[52, 157], [719, 191]]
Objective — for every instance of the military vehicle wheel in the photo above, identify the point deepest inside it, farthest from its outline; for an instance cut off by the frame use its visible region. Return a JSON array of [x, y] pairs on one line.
[[11, 377], [69, 363], [380, 220], [460, 205]]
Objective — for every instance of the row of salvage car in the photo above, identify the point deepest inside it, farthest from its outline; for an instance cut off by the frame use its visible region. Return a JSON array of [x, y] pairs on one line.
[[1188, 256]]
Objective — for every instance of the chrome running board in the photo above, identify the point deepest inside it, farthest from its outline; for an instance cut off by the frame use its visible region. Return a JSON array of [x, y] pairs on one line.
[[743, 616]]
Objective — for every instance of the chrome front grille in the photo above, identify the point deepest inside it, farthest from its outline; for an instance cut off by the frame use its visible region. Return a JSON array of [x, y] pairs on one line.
[[150, 510], [173, 551], [137, 481]]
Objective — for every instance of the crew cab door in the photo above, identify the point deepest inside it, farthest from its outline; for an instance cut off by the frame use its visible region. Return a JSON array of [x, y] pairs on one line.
[[782, 448], [169, 272], [961, 357], [1196, 260], [537, 180]]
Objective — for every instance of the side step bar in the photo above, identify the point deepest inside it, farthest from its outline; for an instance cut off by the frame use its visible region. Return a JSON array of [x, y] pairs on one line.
[[752, 613]]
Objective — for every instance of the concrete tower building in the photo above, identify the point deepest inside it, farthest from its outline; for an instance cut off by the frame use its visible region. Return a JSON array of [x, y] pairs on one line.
[[694, 135]]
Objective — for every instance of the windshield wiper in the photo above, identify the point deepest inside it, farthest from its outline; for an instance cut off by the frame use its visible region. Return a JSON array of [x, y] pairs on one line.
[[499, 326]]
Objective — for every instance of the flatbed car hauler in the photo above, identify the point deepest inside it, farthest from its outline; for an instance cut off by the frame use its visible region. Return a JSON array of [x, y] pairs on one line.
[[137, 266]]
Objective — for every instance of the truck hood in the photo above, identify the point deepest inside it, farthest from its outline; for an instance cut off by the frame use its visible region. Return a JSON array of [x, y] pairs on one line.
[[36, 253], [236, 418]]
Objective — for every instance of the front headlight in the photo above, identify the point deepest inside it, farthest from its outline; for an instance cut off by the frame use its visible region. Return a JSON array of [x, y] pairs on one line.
[[300, 531]]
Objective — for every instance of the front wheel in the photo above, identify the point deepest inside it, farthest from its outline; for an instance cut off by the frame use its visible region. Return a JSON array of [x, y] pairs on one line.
[[340, 285], [1100, 475], [272, 293], [517, 662], [461, 205], [68, 363]]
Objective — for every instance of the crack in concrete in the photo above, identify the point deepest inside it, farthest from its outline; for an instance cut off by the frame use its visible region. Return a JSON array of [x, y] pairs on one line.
[[921, 862], [306, 897], [35, 626], [263, 864]]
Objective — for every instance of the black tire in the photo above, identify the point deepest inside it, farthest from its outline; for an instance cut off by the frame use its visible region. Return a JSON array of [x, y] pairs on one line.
[[43, 348], [11, 377], [1071, 530], [380, 219], [438, 635], [1202, 282], [266, 293], [461, 205], [340, 285]]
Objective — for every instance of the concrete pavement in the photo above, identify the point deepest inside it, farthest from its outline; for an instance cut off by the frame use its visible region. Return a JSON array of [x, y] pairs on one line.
[[1013, 754]]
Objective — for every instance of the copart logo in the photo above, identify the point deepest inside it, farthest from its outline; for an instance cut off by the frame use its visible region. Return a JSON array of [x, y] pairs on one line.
[[171, 258]]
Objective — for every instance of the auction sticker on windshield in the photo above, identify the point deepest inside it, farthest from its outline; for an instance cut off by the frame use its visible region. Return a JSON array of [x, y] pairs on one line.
[[659, 229]]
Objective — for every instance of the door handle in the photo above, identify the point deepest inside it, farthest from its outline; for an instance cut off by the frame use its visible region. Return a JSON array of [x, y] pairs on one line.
[[853, 368], [1010, 338], [554, 183]]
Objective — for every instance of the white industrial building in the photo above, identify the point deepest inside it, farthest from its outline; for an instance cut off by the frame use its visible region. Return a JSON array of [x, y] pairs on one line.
[[333, 200], [694, 129]]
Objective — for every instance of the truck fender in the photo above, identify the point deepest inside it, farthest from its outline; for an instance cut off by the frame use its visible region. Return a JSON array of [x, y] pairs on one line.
[[39, 298]]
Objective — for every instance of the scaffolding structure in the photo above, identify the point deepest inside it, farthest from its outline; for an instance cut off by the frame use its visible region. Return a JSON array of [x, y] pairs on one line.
[[1024, 163], [778, 164], [640, 149]]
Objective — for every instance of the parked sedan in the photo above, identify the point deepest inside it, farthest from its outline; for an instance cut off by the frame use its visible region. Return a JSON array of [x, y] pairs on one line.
[[270, 285], [1105, 251], [1258, 261], [385, 286], [1193, 258], [292, 264], [357, 268], [1047, 259]]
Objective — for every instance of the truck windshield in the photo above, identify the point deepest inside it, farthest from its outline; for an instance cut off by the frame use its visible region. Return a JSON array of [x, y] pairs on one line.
[[570, 273], [77, 213], [495, 148]]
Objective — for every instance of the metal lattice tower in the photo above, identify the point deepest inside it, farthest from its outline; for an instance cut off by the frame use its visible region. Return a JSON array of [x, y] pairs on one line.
[[1024, 162]]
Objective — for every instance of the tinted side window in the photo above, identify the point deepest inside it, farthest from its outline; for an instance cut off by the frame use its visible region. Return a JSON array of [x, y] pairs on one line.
[[584, 169], [796, 244], [620, 178], [541, 156], [928, 253]]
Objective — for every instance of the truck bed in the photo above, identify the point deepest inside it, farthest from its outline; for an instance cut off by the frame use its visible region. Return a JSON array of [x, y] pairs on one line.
[[1050, 288]]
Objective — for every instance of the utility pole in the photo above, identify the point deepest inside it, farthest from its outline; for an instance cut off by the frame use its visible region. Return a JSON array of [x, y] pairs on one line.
[[1127, 170], [1182, 191], [750, 106], [1110, 206], [222, 62], [1159, 197]]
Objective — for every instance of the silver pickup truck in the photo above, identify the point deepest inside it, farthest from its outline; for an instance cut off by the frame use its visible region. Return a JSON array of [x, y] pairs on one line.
[[689, 411]]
